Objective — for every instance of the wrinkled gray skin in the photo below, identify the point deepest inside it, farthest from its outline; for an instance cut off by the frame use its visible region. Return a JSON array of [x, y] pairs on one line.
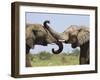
[[77, 36], [36, 34]]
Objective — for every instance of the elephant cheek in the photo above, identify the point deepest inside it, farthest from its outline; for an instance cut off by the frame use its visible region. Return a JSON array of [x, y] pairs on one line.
[[73, 39], [74, 42], [50, 39]]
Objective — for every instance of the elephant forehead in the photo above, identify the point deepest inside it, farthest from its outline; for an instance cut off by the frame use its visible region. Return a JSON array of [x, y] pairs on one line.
[[73, 29], [65, 35], [74, 33], [37, 27], [71, 32]]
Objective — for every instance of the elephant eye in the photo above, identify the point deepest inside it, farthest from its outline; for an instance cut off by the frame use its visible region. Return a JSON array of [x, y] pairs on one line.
[[74, 39], [34, 32]]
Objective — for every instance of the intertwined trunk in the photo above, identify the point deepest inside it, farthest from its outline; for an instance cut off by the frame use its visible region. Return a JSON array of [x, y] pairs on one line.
[[56, 35]]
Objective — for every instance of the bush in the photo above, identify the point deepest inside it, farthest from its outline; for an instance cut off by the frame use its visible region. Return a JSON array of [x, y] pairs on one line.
[[76, 52], [44, 55], [63, 59]]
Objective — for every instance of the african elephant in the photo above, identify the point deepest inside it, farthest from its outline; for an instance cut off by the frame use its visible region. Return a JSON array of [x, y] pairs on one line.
[[77, 37], [37, 34]]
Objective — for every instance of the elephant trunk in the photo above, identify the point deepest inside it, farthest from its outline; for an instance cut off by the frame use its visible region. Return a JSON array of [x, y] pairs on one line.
[[60, 48], [56, 35]]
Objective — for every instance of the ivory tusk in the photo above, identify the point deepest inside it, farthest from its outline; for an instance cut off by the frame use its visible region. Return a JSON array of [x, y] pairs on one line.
[[52, 43], [61, 40]]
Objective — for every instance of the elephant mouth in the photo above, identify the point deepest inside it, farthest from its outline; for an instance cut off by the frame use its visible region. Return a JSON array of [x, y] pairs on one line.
[[74, 45], [63, 41], [44, 43]]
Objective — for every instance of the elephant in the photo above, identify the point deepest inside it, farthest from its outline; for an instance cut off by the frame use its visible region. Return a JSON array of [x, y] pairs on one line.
[[77, 36], [37, 34]]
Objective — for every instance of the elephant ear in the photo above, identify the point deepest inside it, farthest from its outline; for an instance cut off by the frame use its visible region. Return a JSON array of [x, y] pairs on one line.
[[30, 38], [83, 36]]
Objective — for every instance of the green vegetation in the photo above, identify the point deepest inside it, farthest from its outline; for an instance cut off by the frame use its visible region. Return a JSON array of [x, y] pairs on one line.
[[48, 59]]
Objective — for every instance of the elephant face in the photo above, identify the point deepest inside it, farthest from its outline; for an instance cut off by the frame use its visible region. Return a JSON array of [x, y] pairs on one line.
[[36, 34], [75, 35]]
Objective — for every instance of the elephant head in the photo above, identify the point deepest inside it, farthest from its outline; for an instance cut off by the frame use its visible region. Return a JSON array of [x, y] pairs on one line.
[[75, 35], [37, 34], [79, 37]]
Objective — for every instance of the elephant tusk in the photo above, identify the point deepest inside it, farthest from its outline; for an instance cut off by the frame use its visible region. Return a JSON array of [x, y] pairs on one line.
[[52, 43], [62, 40]]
